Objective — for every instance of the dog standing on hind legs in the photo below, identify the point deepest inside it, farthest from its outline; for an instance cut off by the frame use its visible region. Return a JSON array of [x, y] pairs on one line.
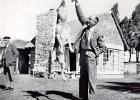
[[62, 37]]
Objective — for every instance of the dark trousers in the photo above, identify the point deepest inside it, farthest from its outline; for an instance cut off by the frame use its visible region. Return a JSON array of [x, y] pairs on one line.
[[7, 71], [88, 73]]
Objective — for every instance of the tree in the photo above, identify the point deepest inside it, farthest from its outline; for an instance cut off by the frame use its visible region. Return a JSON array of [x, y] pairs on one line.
[[136, 43], [136, 14], [128, 28], [136, 37], [125, 25]]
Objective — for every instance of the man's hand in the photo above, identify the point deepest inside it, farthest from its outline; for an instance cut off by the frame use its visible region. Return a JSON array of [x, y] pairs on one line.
[[71, 49]]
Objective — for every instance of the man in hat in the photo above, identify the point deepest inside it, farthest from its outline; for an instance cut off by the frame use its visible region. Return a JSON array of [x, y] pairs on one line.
[[90, 45], [9, 56]]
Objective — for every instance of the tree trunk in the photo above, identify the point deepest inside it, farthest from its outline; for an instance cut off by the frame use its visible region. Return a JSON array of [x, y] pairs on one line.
[[137, 56], [130, 55]]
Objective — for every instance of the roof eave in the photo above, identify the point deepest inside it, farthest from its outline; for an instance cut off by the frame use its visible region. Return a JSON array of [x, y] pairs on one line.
[[126, 46]]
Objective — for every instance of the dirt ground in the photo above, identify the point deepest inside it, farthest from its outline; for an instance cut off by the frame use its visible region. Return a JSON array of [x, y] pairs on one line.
[[31, 88]]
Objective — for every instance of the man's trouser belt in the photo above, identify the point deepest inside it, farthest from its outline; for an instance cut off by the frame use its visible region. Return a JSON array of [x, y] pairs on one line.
[[84, 50]]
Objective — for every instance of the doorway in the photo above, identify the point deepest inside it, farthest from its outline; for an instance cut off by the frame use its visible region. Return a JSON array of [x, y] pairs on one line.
[[72, 61]]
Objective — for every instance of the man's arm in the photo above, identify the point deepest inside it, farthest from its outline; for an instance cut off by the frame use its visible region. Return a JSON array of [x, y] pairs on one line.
[[79, 13], [15, 51]]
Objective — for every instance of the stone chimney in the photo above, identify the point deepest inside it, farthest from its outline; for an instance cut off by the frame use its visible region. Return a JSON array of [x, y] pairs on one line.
[[45, 38]]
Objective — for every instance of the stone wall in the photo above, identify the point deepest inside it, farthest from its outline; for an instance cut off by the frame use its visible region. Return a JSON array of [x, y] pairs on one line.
[[45, 38], [132, 68]]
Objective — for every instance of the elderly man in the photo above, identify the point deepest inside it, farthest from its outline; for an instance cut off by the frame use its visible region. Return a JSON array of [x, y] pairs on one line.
[[90, 45], [9, 56]]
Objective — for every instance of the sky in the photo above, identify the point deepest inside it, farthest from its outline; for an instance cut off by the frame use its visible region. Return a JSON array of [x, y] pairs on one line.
[[18, 17]]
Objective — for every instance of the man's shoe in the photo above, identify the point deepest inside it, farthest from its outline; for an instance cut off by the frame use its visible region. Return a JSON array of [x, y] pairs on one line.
[[11, 89], [63, 77], [6, 88]]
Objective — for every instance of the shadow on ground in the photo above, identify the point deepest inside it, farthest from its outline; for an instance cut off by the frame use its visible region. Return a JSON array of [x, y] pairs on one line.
[[125, 87], [63, 94], [2, 87], [37, 94]]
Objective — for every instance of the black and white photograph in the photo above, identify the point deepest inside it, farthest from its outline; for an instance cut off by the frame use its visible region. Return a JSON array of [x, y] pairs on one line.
[[69, 49]]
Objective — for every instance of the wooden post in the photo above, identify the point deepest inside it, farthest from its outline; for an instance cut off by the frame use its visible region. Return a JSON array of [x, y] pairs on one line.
[[77, 63], [29, 67], [17, 60]]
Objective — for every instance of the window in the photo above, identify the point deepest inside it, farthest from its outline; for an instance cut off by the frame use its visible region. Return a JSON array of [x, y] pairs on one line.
[[107, 56], [110, 60]]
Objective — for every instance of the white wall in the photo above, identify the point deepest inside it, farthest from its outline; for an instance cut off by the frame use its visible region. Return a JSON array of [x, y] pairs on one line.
[[133, 57]]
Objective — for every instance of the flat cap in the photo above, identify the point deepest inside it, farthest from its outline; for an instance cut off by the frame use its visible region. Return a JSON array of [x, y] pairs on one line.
[[6, 37]]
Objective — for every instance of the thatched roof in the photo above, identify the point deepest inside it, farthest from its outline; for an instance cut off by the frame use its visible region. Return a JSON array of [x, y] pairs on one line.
[[20, 44], [108, 28]]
